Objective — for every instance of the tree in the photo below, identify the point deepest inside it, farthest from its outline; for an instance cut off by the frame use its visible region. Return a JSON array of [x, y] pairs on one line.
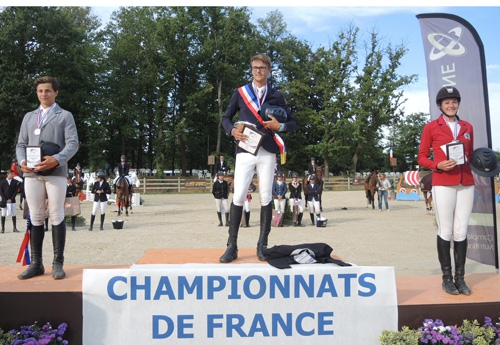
[[406, 140], [377, 101], [32, 44]]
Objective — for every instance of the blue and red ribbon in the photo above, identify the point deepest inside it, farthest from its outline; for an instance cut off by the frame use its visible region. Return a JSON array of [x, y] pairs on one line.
[[24, 253]]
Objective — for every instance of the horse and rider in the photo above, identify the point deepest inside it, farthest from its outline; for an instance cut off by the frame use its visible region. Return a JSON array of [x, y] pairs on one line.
[[123, 173], [78, 179], [123, 187]]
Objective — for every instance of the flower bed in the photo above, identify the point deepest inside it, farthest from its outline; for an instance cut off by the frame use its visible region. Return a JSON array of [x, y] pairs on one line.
[[35, 335], [435, 332]]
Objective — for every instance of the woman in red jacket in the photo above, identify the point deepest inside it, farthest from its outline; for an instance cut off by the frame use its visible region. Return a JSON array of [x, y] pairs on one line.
[[451, 142]]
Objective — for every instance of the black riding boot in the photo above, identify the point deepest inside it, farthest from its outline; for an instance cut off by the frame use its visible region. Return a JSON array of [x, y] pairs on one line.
[[37, 233], [219, 215], [227, 219], [3, 225], [92, 218], [247, 218], [460, 251], [58, 241], [266, 215], [444, 256], [312, 218], [73, 223], [14, 224], [102, 221], [299, 221], [234, 226], [46, 224]]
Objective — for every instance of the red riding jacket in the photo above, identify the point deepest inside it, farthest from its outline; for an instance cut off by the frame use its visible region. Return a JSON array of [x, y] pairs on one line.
[[437, 133]]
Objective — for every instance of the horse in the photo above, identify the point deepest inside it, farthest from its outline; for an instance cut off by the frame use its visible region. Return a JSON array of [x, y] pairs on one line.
[[78, 181], [371, 182], [123, 196], [426, 188], [318, 174]]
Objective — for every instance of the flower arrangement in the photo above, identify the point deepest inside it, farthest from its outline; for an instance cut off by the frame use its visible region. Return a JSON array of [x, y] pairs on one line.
[[435, 332], [36, 335]]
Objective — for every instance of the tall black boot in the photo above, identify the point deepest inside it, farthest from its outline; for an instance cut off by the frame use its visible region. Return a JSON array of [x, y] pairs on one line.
[[46, 224], [299, 221], [14, 224], [266, 215], [247, 218], [58, 241], [312, 218], [219, 215], [227, 219], [443, 248], [73, 223], [460, 251], [37, 233], [102, 221], [3, 225], [92, 219], [234, 226]]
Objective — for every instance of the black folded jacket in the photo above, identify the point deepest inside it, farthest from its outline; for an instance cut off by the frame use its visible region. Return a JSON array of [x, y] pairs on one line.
[[283, 256]]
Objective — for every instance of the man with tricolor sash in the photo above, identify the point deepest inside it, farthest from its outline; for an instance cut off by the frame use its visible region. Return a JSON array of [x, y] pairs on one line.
[[263, 116]]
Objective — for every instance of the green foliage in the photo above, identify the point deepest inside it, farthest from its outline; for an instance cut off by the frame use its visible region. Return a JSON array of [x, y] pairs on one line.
[[155, 81], [406, 140], [480, 335], [6, 338], [406, 336], [435, 332]]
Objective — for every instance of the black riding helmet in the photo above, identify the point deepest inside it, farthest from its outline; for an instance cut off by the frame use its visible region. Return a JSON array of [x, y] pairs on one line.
[[447, 92], [484, 162]]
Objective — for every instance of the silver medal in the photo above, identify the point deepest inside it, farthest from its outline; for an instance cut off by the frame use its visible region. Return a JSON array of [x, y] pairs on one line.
[[37, 131]]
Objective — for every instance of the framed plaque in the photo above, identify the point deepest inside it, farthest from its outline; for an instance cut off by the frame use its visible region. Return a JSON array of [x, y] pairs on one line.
[[456, 151], [254, 140], [33, 155]]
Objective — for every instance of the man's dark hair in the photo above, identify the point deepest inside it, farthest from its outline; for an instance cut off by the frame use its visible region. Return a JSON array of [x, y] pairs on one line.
[[47, 80]]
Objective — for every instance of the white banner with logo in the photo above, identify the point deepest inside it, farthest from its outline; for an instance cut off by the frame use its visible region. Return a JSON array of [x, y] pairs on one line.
[[455, 57], [238, 304]]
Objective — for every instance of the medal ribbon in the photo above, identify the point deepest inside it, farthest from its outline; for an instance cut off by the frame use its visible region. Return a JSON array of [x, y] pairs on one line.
[[253, 104], [41, 116]]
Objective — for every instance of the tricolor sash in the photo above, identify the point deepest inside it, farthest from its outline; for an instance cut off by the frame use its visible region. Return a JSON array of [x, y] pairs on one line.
[[253, 104]]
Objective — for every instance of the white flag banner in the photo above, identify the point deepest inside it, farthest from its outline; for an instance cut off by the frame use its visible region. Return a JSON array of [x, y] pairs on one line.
[[455, 57], [238, 304]]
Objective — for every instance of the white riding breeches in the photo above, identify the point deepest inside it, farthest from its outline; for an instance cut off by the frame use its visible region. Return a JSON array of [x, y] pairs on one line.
[[246, 205], [222, 204], [40, 188], [453, 205], [297, 202], [314, 206], [279, 205], [245, 167], [99, 204], [10, 210]]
